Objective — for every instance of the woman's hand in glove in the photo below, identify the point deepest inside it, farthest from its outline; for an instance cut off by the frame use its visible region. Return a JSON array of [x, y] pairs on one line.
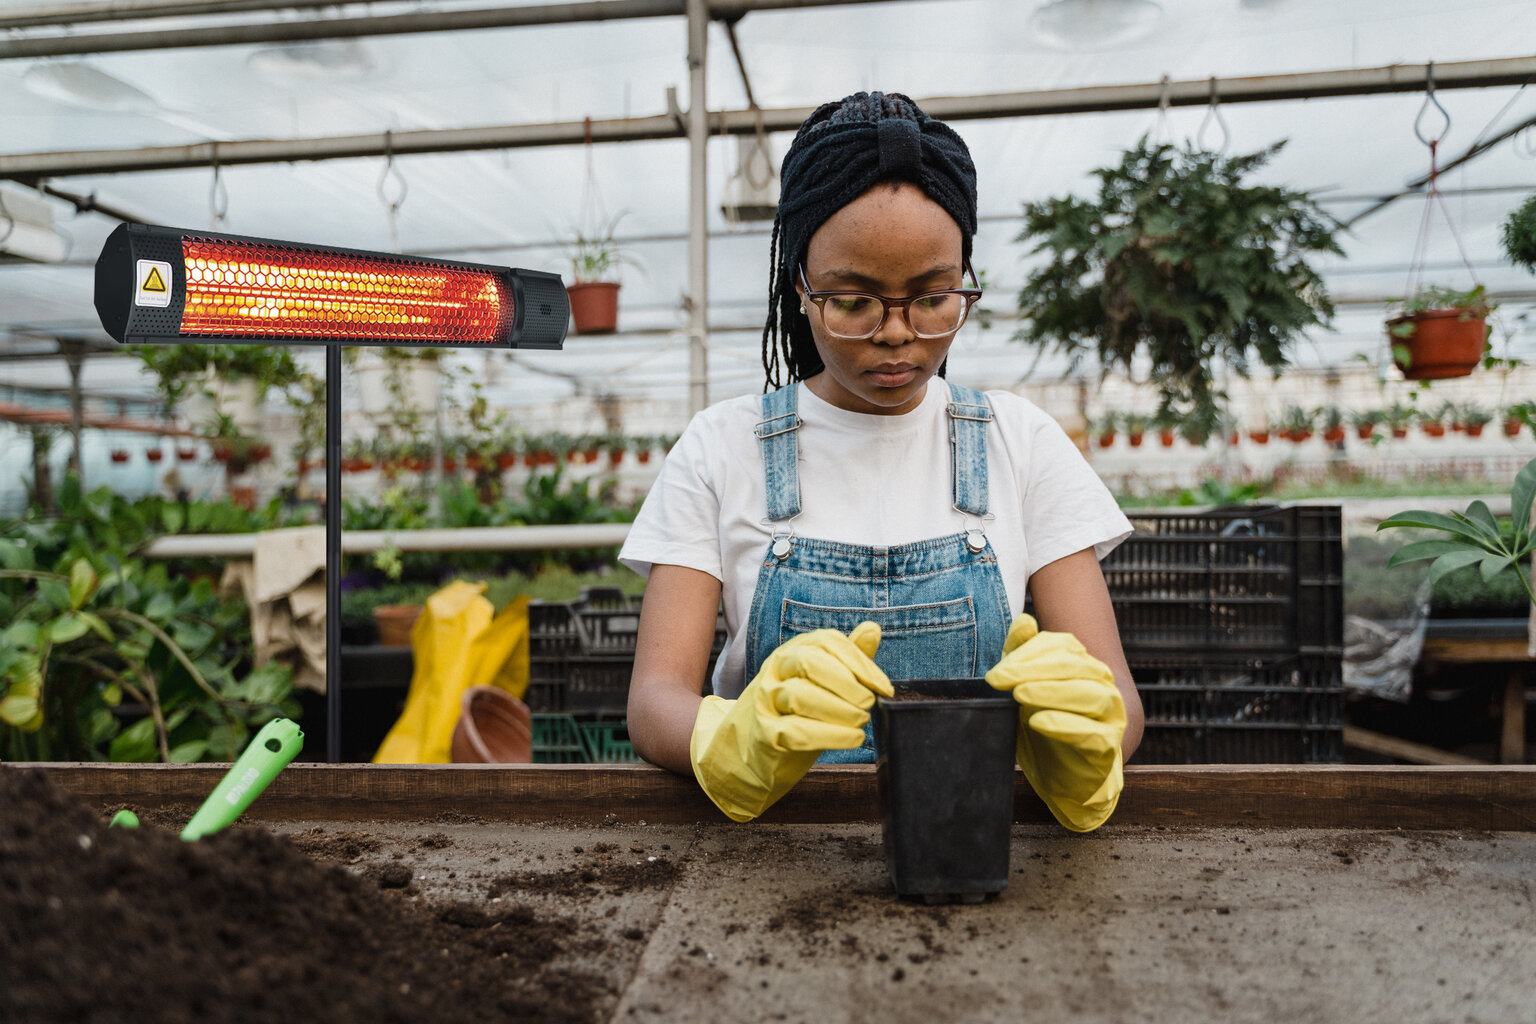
[[813, 693], [1071, 722]]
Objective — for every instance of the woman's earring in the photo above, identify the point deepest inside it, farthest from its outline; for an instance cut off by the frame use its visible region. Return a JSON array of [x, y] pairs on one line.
[[802, 311]]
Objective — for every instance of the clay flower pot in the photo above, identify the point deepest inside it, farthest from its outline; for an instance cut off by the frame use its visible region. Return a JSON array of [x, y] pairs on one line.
[[1365, 430], [1434, 429], [1135, 438], [119, 455], [1333, 435], [1474, 430], [506, 460], [1511, 428], [1444, 343], [154, 454], [395, 622], [494, 727], [594, 306], [945, 784], [643, 456], [1106, 439], [186, 454], [1259, 436], [1165, 437]]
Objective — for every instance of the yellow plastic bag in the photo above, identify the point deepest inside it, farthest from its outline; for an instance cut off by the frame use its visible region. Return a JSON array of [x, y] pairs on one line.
[[458, 642]]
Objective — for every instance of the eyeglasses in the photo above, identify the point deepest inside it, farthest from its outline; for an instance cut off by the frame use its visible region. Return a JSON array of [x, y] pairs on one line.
[[855, 316]]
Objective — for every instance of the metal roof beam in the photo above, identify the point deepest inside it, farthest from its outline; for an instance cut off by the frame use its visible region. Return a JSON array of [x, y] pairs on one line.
[[29, 167], [248, 33]]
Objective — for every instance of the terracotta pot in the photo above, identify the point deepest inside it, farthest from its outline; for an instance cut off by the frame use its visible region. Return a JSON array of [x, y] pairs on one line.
[[1434, 429], [494, 727], [644, 455], [1259, 436], [1443, 344], [154, 454], [594, 306], [119, 455], [590, 455], [1512, 428], [474, 463], [186, 454], [1135, 438], [1364, 432], [1166, 438], [395, 622], [1474, 430], [1399, 432], [1106, 439], [1333, 435], [615, 458], [506, 460]]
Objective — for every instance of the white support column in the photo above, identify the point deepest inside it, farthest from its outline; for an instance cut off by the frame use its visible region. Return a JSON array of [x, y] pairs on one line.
[[698, 209]]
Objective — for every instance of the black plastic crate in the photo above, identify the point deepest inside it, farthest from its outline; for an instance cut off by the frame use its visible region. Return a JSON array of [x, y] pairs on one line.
[[1247, 578], [1285, 711]]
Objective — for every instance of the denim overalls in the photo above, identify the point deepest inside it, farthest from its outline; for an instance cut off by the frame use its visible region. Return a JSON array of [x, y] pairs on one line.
[[940, 603]]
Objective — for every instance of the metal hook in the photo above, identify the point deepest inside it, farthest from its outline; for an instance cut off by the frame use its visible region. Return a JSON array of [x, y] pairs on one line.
[[1160, 133], [218, 193], [1430, 98], [1213, 112], [392, 205]]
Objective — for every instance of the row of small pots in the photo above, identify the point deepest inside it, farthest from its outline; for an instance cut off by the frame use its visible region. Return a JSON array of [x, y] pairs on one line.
[[1331, 435], [221, 452]]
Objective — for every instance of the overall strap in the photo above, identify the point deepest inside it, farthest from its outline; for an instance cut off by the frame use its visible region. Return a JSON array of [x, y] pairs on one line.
[[776, 434], [969, 415]]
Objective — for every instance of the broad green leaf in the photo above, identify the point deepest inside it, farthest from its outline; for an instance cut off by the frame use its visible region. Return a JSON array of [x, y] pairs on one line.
[[172, 517], [14, 555], [20, 634], [1434, 521], [1479, 514], [135, 743], [54, 594], [1420, 549], [1453, 561], [67, 628], [101, 628], [192, 637], [1521, 495], [112, 695], [1492, 565], [82, 583], [100, 726], [176, 717], [160, 608], [21, 711], [189, 752]]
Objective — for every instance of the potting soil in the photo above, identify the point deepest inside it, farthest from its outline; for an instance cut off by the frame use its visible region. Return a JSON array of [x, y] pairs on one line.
[[109, 925]]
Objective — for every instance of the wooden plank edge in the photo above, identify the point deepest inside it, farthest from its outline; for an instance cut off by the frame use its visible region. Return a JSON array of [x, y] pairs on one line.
[[1403, 750], [1493, 798]]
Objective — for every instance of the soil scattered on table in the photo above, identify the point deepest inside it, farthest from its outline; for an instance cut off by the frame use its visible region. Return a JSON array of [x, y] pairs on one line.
[[242, 927]]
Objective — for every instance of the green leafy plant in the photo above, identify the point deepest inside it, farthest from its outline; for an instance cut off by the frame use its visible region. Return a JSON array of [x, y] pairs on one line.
[[1475, 537], [178, 367], [1177, 257], [1519, 235], [106, 656], [597, 256], [1473, 305]]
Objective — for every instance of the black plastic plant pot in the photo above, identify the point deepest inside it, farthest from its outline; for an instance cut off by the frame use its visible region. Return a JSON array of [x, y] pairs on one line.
[[945, 777]]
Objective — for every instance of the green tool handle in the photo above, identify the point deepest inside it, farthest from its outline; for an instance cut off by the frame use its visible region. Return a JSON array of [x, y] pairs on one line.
[[269, 753]]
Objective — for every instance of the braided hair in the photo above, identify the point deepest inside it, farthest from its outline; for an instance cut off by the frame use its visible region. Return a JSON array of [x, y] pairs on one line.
[[840, 152]]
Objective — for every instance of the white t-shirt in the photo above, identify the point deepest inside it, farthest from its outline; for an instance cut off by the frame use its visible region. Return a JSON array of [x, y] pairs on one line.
[[872, 480]]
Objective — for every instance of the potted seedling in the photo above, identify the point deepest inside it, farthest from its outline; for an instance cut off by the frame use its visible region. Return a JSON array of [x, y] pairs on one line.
[[1398, 418], [1297, 424], [1181, 262], [944, 779], [1433, 423], [1517, 416], [1333, 424], [1364, 423], [1440, 332], [595, 259], [1474, 417], [1103, 429], [1135, 428]]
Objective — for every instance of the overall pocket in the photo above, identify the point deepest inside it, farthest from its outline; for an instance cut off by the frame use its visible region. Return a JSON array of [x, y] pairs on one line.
[[924, 641]]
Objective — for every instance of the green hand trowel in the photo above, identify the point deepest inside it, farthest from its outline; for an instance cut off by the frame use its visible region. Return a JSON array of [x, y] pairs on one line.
[[269, 753]]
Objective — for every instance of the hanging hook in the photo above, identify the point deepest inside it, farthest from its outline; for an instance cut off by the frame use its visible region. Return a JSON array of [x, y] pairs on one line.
[[392, 205], [1160, 132], [757, 156], [1430, 98], [1523, 143], [1213, 113], [218, 193]]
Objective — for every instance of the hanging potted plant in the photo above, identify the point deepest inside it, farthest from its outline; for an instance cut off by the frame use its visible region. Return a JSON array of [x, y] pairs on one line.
[[1296, 424], [154, 454], [1165, 423], [1397, 418], [1440, 332], [1432, 423], [1178, 261], [1474, 418], [1333, 425], [119, 454], [1103, 429], [1517, 416], [1135, 428], [1259, 434], [207, 382], [642, 448], [1365, 423], [594, 288]]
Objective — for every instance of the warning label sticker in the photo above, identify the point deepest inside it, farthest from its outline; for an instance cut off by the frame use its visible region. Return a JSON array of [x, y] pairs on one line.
[[152, 283]]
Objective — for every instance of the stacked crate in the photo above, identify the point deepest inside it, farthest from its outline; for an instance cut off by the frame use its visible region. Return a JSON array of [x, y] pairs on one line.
[[1233, 624]]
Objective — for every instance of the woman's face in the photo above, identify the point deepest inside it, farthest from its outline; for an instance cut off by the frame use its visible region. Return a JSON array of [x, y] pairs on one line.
[[896, 242]]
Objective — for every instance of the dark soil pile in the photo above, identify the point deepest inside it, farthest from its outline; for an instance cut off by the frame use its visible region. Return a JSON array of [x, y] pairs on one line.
[[114, 925]]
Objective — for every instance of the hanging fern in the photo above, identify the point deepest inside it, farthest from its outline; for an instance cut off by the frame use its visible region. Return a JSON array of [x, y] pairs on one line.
[[1519, 235], [1177, 257]]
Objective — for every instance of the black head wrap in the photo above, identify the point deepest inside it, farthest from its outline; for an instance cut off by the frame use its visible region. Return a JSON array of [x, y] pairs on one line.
[[840, 152]]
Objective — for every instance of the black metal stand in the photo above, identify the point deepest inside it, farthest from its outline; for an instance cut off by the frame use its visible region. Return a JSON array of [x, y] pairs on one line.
[[333, 553]]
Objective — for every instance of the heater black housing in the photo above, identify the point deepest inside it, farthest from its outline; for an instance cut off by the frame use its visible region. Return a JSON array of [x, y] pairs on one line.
[[540, 306]]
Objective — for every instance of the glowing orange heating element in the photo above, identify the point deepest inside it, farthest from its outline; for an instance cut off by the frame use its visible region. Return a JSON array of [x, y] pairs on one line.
[[245, 289]]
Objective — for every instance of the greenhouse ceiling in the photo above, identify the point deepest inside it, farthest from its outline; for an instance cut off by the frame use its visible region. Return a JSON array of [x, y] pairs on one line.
[[309, 121]]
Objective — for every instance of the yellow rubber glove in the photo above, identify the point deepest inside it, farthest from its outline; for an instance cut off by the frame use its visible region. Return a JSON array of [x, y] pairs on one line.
[[1071, 722], [813, 693]]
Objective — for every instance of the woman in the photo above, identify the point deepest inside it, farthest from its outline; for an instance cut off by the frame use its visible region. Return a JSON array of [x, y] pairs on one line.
[[867, 521]]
